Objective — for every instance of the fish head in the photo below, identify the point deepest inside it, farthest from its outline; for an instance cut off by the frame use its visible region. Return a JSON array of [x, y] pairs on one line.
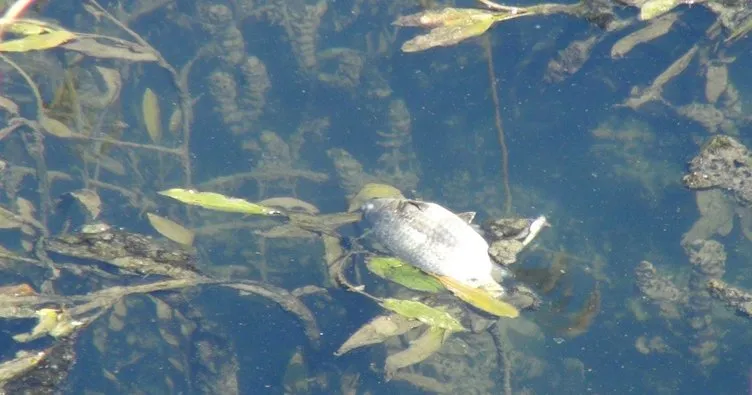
[[376, 210]]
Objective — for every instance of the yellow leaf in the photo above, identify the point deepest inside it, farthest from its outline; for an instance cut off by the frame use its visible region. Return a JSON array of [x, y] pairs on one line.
[[653, 8], [420, 349], [28, 27], [55, 127], [152, 115], [216, 201], [479, 298], [37, 42], [171, 230]]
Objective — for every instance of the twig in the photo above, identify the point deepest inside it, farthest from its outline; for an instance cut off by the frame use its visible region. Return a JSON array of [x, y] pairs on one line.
[[499, 128], [504, 361], [172, 151]]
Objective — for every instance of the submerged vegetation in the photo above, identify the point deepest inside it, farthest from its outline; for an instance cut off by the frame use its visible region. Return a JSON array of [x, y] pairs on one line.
[[180, 183]]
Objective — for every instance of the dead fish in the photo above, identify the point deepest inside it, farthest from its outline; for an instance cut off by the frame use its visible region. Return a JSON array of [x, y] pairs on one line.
[[433, 239]]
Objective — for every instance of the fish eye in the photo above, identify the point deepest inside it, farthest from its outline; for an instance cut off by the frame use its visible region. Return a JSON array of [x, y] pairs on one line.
[[367, 206]]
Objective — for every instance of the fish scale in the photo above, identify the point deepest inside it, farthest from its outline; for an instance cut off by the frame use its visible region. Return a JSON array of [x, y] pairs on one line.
[[431, 238]]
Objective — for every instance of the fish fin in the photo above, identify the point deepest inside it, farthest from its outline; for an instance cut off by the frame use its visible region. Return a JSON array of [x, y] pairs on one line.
[[420, 205], [467, 216]]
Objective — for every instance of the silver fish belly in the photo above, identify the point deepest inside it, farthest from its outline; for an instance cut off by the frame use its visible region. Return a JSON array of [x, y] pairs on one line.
[[431, 238]]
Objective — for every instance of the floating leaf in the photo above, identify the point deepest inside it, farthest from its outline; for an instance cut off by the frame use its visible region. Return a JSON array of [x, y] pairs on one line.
[[37, 42], [446, 36], [55, 127], [218, 202], [423, 313], [401, 273], [449, 26], [373, 191], [653, 8], [171, 230], [28, 27], [447, 17], [378, 330], [479, 298], [421, 348], [152, 115]]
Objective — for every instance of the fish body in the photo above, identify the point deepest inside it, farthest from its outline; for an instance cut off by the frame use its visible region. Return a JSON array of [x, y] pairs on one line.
[[433, 239]]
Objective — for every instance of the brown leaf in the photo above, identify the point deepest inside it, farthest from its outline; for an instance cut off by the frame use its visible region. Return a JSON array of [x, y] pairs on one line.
[[377, 331], [421, 348], [171, 230]]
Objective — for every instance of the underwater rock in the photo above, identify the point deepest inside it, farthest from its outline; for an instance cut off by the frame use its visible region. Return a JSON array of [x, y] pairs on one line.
[[508, 236], [723, 163]]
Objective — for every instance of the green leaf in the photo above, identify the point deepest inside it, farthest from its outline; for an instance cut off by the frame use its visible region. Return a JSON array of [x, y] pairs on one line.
[[479, 298], [29, 27], [423, 313], [403, 274], [37, 42], [218, 202]]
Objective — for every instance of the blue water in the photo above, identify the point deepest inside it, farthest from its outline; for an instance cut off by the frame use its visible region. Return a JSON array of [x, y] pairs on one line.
[[605, 218]]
